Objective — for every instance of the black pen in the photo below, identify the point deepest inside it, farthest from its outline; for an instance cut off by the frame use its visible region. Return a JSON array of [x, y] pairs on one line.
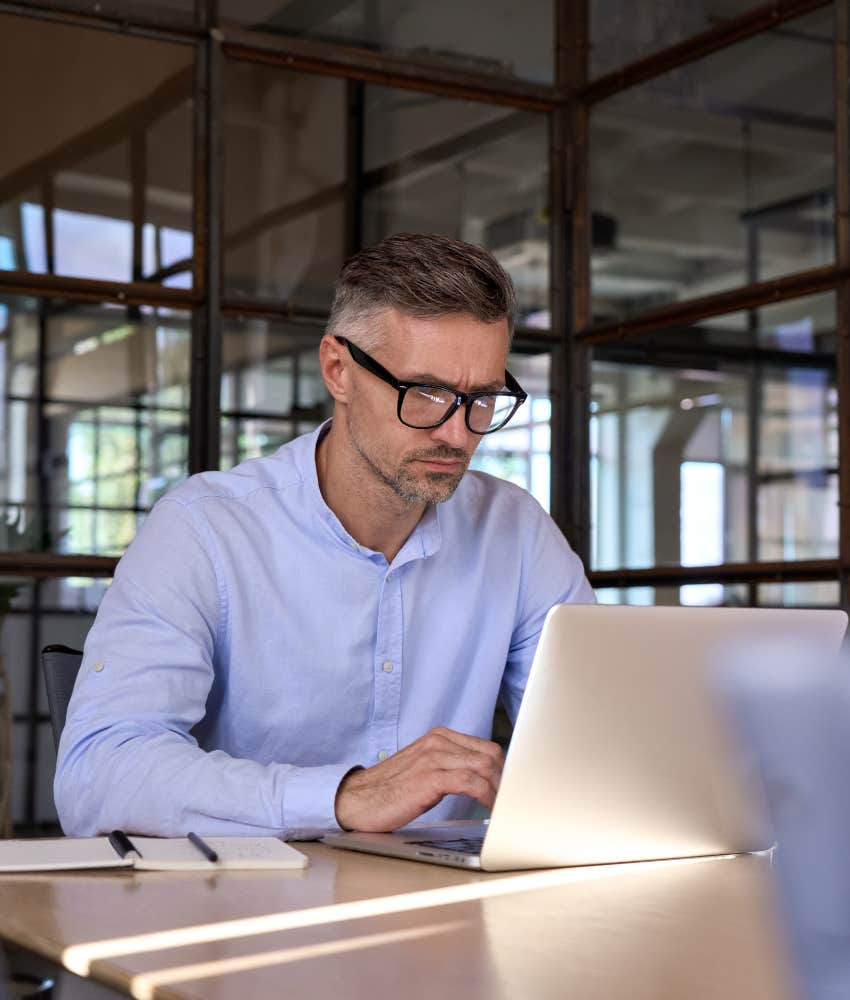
[[205, 849], [122, 844]]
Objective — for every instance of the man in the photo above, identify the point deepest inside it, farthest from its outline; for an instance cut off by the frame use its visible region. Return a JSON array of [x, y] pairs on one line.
[[318, 638]]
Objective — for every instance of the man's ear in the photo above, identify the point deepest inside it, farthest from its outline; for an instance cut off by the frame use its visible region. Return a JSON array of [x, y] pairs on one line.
[[336, 370]]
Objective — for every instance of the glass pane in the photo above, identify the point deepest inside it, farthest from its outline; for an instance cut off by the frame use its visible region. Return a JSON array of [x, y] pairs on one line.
[[471, 171], [284, 164], [811, 594], [805, 325], [271, 387], [691, 595], [699, 459], [42, 819], [623, 31], [495, 37], [60, 610], [521, 452], [97, 184], [798, 466], [716, 175], [113, 422], [16, 647], [821, 594], [162, 13], [78, 594]]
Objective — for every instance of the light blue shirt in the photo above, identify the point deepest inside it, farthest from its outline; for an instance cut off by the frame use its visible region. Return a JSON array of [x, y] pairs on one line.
[[250, 652]]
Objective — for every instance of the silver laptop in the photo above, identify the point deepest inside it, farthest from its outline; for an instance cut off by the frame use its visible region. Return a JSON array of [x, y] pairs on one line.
[[622, 750]]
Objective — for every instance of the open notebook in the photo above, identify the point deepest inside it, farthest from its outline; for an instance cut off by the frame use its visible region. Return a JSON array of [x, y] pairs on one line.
[[149, 853]]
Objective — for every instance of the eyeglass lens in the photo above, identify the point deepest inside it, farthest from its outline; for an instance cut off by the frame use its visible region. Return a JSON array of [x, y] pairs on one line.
[[425, 406]]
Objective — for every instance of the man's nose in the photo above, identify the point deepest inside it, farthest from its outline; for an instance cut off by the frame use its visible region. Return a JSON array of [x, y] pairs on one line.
[[454, 431]]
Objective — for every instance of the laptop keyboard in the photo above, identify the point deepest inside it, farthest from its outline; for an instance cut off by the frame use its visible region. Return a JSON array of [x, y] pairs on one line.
[[462, 845]]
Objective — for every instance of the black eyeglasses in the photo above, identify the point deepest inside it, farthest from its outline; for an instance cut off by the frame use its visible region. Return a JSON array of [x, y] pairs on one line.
[[424, 406]]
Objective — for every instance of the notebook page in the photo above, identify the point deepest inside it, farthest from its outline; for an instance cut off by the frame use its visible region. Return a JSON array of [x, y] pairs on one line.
[[59, 854], [245, 853]]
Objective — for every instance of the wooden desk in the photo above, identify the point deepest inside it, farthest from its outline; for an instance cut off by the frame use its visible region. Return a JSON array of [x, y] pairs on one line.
[[364, 927]]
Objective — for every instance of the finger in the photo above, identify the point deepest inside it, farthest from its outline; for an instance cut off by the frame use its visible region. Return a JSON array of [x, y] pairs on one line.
[[469, 742], [471, 760], [439, 749], [463, 781], [436, 741]]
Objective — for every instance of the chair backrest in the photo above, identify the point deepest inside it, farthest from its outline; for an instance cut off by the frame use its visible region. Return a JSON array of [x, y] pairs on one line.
[[60, 665]]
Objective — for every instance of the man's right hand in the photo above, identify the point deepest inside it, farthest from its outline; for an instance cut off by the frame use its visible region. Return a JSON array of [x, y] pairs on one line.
[[393, 793]]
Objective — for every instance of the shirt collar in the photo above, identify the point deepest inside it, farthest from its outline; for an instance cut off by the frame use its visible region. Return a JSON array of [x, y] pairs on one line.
[[423, 541]]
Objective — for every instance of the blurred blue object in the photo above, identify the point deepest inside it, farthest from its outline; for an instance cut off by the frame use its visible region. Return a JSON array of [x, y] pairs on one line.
[[791, 706]]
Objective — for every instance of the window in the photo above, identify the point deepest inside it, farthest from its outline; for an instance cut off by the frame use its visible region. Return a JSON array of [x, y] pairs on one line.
[[96, 183], [701, 456], [495, 37], [717, 174], [93, 436]]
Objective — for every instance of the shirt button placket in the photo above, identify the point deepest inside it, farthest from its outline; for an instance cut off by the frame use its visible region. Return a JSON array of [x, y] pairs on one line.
[[387, 675]]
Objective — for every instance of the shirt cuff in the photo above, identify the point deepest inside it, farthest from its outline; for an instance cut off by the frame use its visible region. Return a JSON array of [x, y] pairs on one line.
[[308, 802]]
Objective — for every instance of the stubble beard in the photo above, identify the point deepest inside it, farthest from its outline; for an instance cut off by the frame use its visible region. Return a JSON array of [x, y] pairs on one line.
[[427, 488]]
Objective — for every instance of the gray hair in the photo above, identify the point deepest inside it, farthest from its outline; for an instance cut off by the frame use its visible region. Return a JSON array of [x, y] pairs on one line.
[[422, 275]]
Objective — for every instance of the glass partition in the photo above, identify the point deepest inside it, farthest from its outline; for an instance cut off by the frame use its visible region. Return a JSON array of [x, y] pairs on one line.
[[624, 31], [468, 170], [717, 174], [803, 594], [271, 387], [714, 595], [521, 452], [93, 421], [99, 183], [701, 459], [284, 184], [495, 37], [173, 13], [39, 613]]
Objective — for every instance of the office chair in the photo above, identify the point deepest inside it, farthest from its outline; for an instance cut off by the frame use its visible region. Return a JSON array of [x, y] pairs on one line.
[[60, 665]]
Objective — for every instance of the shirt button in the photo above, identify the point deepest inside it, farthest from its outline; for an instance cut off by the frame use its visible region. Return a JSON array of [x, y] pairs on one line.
[[388, 667], [389, 577], [99, 666], [382, 755]]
